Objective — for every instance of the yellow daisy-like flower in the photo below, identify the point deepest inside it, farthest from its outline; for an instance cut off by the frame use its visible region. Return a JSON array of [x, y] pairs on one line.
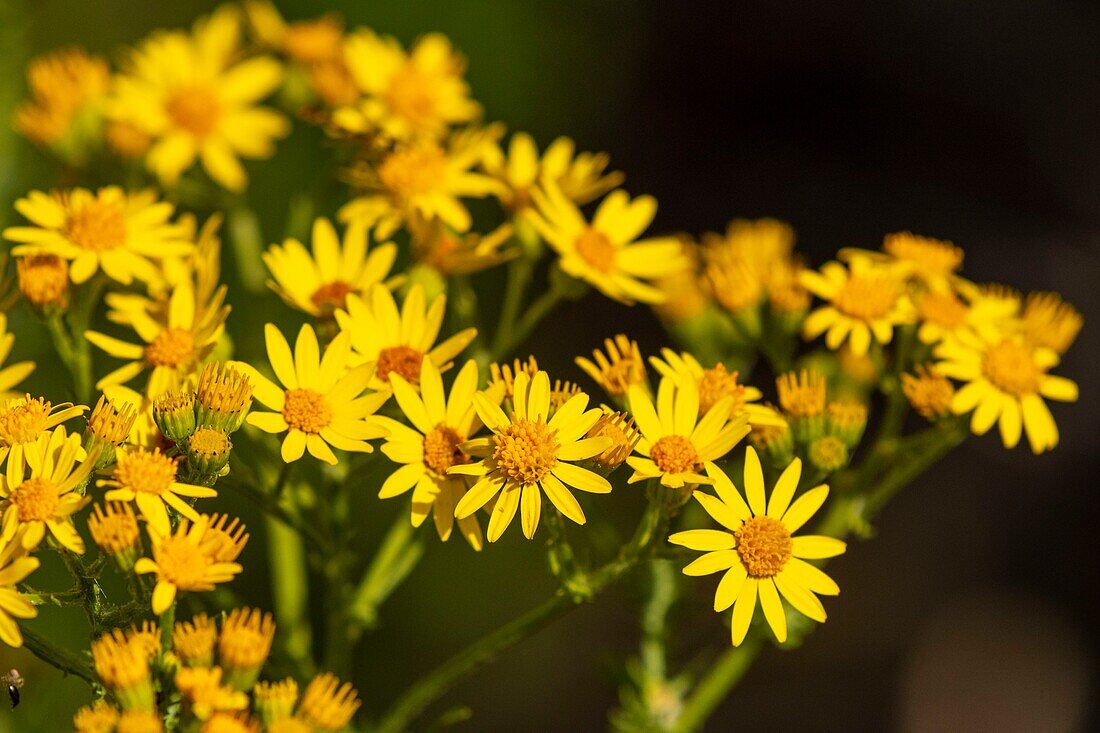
[[932, 262], [205, 694], [320, 283], [12, 374], [424, 178], [604, 252], [714, 384], [397, 341], [173, 351], [48, 498], [326, 704], [110, 230], [321, 402], [582, 177], [66, 88], [185, 560], [529, 454], [675, 442], [1006, 380], [428, 449], [148, 478], [1050, 321], [24, 419], [15, 566], [434, 244], [195, 99], [619, 369], [758, 554], [415, 94], [864, 301]]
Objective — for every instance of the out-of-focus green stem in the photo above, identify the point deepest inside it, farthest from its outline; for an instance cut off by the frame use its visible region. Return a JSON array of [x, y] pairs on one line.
[[662, 595], [290, 582], [520, 271], [55, 656], [531, 318], [722, 677], [400, 551], [247, 239]]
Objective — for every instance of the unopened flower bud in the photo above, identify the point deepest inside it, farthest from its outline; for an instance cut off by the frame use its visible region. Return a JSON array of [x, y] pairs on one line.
[[624, 435], [275, 701], [208, 452], [114, 530], [44, 281], [223, 397], [802, 397], [193, 641], [846, 420], [244, 645], [174, 414], [108, 428], [828, 453]]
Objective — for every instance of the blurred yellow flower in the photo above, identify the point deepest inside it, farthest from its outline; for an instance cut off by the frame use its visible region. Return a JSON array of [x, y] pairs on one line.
[[931, 262], [864, 301], [1050, 321], [15, 566], [758, 554], [196, 99], [12, 374], [205, 693], [320, 282], [619, 369], [1006, 381], [66, 88], [148, 478], [529, 454], [110, 230], [433, 243], [604, 252], [676, 442], [714, 384], [184, 561], [48, 498], [397, 341], [428, 449], [326, 704], [321, 402], [944, 314]]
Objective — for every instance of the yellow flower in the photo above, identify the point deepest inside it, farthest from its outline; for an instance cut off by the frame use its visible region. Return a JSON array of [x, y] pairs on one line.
[[12, 374], [396, 340], [44, 280], [319, 283], [604, 252], [123, 668], [328, 705], [526, 453], [929, 392], [759, 243], [1006, 382], [863, 301], [192, 95], [423, 178], [582, 178], [432, 446], [99, 717], [184, 561], [148, 478], [140, 721], [715, 384], [172, 351], [434, 244], [675, 441], [15, 566], [66, 88], [624, 434], [49, 497], [24, 419], [114, 529], [322, 402], [111, 230], [415, 94], [144, 432], [617, 371], [275, 701], [244, 644], [932, 262], [205, 694], [193, 641], [1050, 321], [945, 314], [758, 554]]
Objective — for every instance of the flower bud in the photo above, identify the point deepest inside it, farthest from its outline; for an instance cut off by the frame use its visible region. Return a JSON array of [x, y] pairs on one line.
[[624, 435], [174, 414], [775, 441], [108, 428], [114, 530], [208, 452], [193, 641], [123, 668], [244, 645], [846, 420], [802, 397], [275, 701], [828, 453], [44, 281], [223, 397]]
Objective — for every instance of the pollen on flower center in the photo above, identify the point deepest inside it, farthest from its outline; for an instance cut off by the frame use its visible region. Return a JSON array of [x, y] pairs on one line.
[[182, 563], [441, 449], [596, 249], [764, 546], [24, 422], [149, 472], [208, 442], [171, 347], [331, 296], [403, 360], [675, 454], [867, 297], [412, 172], [98, 226], [195, 109], [36, 499], [526, 450], [1011, 368], [716, 384], [943, 309], [306, 410]]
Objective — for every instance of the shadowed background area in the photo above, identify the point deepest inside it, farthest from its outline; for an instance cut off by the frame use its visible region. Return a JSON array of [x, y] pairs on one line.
[[975, 607]]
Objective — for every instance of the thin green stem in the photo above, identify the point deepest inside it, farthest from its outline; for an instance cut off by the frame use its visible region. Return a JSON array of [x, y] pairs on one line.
[[722, 677], [400, 551], [661, 597], [55, 656]]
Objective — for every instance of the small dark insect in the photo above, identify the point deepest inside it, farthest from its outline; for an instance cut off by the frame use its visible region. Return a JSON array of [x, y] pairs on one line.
[[14, 681]]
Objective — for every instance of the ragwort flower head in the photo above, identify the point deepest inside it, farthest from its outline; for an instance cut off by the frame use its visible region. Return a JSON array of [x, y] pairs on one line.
[[148, 478], [185, 560], [24, 419], [67, 87]]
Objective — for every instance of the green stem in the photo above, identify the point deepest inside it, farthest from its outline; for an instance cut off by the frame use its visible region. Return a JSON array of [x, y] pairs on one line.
[[719, 680], [247, 239], [55, 656], [662, 595], [400, 551]]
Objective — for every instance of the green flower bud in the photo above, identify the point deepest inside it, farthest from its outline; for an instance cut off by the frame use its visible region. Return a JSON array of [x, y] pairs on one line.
[[174, 414]]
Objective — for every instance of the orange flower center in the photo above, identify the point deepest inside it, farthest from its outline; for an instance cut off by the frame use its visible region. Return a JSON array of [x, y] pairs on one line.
[[675, 454], [403, 360], [764, 546], [195, 109], [171, 348], [43, 279], [596, 249], [411, 95], [146, 472], [1011, 368], [867, 298], [526, 451], [441, 449], [36, 499], [717, 384], [413, 172], [943, 309], [330, 296], [306, 410], [98, 226], [24, 422], [183, 563]]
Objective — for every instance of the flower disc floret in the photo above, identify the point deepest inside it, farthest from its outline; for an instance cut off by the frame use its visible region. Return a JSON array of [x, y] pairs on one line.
[[403, 360], [526, 450], [441, 449], [675, 454], [1011, 367], [764, 546], [306, 410], [36, 499]]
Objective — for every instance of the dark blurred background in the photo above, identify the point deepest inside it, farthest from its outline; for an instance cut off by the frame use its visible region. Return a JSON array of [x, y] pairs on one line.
[[976, 607]]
